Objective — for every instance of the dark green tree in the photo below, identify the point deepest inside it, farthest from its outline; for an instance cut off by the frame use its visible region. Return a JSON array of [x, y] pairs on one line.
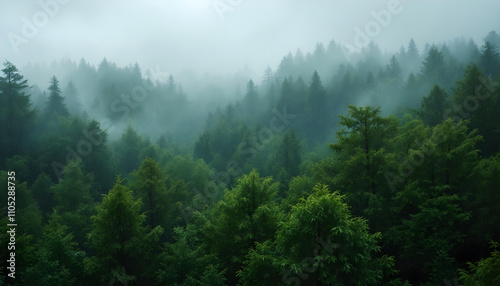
[[490, 59], [322, 244], [150, 186], [73, 200], [247, 214], [59, 260], [127, 150], [434, 106], [477, 98], [361, 154], [484, 272], [202, 147], [119, 239], [55, 102], [16, 115], [186, 261], [317, 111], [287, 156], [433, 67]]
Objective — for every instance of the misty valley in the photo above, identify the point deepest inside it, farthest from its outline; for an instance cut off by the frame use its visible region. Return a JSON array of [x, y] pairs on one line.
[[336, 167]]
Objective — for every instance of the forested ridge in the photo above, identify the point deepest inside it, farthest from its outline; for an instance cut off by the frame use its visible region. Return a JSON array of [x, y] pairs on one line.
[[370, 168]]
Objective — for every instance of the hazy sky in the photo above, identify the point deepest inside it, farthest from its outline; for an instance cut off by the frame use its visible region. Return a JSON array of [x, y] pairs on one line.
[[192, 35]]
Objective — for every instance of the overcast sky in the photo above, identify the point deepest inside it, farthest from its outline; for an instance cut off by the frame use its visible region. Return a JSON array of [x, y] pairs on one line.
[[200, 35]]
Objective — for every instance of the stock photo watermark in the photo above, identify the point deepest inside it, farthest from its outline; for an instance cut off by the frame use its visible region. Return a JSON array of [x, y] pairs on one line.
[[11, 214], [222, 7], [372, 29], [31, 26]]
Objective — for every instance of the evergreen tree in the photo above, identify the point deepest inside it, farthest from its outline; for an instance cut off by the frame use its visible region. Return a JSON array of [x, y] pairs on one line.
[[433, 67], [202, 147], [99, 162], [490, 59], [361, 145], [251, 103], [127, 149], [55, 102], [476, 98], [434, 106], [59, 260], [322, 244], [73, 200], [72, 100], [16, 115], [393, 69], [121, 242], [247, 214], [317, 110], [287, 155], [150, 186]]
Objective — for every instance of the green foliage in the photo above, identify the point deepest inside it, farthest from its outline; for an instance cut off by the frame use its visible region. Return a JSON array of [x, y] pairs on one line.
[[55, 102], [425, 185], [261, 266], [59, 261], [16, 115], [118, 236], [361, 147], [41, 192], [186, 262], [485, 272], [150, 186], [127, 150], [73, 200], [477, 98], [434, 106], [321, 242], [287, 156], [363, 128], [247, 214]]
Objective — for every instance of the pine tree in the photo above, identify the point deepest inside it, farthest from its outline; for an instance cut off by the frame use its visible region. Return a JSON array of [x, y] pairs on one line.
[[490, 59], [317, 110], [121, 242], [287, 156], [128, 149], [16, 115], [150, 187], [55, 102], [72, 100], [393, 69], [247, 214], [433, 67], [322, 244], [251, 102], [434, 106]]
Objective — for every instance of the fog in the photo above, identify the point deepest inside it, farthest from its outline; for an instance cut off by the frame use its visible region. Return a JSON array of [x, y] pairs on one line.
[[212, 48], [247, 142], [222, 36]]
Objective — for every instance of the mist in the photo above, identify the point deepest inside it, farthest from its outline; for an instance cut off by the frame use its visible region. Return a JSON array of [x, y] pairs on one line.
[[235, 142], [215, 37]]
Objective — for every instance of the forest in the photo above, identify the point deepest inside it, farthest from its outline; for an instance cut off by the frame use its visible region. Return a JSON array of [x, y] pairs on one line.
[[334, 168]]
